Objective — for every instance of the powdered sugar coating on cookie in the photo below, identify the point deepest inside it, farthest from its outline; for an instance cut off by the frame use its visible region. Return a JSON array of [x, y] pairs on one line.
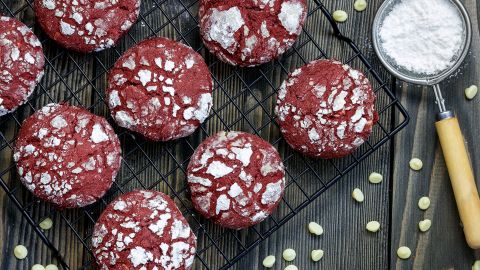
[[326, 109], [161, 89], [143, 230], [236, 179], [86, 25], [67, 156], [253, 32], [21, 63]]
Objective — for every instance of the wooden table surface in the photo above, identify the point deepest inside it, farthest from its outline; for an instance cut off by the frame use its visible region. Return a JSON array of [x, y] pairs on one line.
[[346, 243]]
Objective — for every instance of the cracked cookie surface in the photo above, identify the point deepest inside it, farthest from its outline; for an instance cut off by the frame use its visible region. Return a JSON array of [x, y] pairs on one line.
[[67, 156], [21, 65], [143, 230], [236, 179], [252, 32], [326, 109], [161, 89], [86, 25]]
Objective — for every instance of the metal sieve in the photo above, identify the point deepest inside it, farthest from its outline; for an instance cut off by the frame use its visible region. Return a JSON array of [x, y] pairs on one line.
[[410, 76], [447, 125], [418, 78]]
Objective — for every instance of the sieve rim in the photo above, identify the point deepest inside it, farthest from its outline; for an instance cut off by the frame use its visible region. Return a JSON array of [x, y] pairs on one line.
[[425, 79]]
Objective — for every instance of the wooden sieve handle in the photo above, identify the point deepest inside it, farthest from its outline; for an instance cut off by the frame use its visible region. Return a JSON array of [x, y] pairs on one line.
[[461, 176]]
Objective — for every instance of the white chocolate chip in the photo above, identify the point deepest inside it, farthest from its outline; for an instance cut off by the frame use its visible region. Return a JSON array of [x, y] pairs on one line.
[[375, 178], [373, 226], [471, 92], [20, 252], [51, 267], [38, 267], [291, 267], [360, 5], [416, 164], [315, 228], [476, 265], [269, 261], [424, 203], [425, 225], [404, 252], [316, 255], [357, 194], [46, 224], [289, 254], [340, 16]]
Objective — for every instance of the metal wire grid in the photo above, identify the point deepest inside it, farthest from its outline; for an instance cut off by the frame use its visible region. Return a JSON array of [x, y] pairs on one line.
[[244, 100]]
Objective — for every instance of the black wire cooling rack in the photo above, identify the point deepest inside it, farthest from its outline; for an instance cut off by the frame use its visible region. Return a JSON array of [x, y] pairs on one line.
[[243, 100]]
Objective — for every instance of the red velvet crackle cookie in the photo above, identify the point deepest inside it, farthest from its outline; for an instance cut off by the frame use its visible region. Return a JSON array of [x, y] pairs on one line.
[[21, 63], [326, 109], [161, 89], [251, 32], [236, 179], [86, 25], [67, 156], [143, 230]]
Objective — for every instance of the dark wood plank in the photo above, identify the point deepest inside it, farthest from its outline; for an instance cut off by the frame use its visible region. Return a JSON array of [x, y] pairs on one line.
[[444, 246], [73, 86], [330, 214], [346, 243]]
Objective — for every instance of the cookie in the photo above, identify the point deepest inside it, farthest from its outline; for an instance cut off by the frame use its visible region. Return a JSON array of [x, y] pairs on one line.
[[326, 109], [143, 230], [236, 179], [161, 89], [86, 25], [252, 32], [21, 63], [67, 156]]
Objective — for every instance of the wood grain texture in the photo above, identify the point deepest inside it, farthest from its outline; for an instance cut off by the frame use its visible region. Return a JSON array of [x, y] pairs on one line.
[[18, 231], [346, 243], [444, 246]]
